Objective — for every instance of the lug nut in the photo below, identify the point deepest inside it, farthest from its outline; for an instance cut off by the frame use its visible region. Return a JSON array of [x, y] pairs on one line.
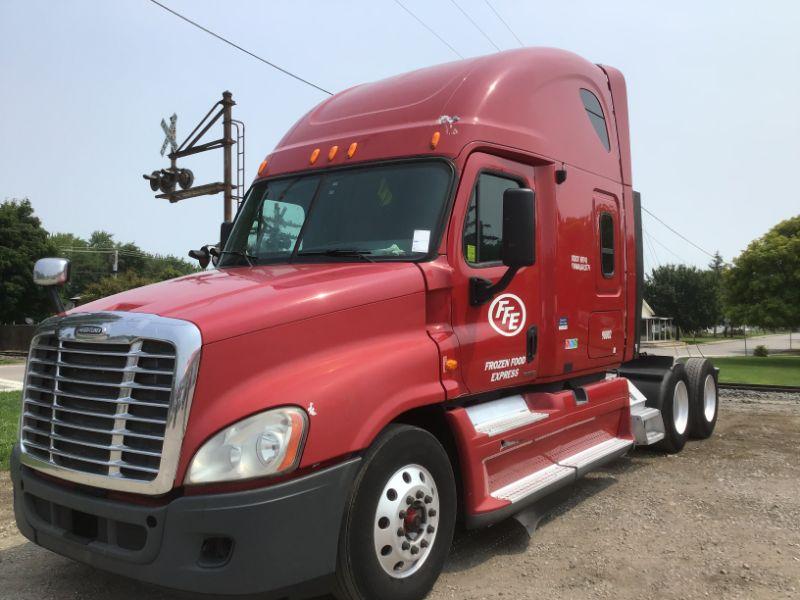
[[431, 528], [420, 494], [400, 532], [414, 550], [406, 546], [424, 543], [402, 514], [432, 512], [428, 499], [409, 500]]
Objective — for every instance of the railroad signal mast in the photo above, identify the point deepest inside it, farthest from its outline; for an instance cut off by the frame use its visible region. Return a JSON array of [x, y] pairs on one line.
[[177, 184]]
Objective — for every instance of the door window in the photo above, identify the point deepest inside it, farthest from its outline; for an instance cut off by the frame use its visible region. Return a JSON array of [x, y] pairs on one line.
[[607, 244], [483, 227]]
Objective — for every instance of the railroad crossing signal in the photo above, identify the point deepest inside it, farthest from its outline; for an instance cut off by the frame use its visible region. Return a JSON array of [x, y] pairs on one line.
[[170, 133]]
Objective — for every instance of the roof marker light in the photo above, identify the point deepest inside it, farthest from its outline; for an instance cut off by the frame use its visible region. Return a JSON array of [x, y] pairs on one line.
[[262, 168], [332, 152], [314, 156], [435, 139], [352, 149]]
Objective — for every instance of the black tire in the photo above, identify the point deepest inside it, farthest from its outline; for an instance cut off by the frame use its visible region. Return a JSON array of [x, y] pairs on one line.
[[703, 397], [675, 436], [359, 574]]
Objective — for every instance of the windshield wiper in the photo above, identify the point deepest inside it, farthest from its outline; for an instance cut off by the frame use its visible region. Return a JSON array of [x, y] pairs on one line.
[[354, 252], [244, 255]]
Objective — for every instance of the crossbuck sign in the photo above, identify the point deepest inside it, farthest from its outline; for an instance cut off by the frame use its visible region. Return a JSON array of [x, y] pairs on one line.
[[169, 132]]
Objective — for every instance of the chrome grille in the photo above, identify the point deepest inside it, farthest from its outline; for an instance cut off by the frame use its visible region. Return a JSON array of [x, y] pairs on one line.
[[99, 407]]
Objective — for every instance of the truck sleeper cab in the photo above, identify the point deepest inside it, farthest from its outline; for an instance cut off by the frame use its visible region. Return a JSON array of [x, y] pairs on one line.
[[425, 311]]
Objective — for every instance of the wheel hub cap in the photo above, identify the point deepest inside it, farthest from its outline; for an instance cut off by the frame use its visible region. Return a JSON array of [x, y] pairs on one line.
[[406, 520], [709, 398], [680, 407]]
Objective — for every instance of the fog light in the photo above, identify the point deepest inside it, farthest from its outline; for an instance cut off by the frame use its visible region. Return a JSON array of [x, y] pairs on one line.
[[215, 551]]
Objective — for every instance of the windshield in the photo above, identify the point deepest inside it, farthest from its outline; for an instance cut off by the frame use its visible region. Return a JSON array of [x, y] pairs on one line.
[[388, 212]]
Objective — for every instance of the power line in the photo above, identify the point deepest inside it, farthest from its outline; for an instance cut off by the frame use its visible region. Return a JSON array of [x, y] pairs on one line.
[[679, 234], [425, 25], [667, 248], [503, 21], [463, 12], [652, 251], [230, 43]]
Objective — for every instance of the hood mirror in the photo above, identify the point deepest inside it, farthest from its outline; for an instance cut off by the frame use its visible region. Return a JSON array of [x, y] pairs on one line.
[[52, 273]]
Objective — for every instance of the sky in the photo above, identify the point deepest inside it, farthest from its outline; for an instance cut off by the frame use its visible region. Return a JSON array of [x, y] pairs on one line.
[[713, 92]]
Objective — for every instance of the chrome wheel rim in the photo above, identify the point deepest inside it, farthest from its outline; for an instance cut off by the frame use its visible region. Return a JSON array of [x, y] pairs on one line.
[[709, 398], [680, 407], [406, 521]]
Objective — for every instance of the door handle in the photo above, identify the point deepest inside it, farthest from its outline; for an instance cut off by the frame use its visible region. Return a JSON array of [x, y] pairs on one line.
[[533, 342]]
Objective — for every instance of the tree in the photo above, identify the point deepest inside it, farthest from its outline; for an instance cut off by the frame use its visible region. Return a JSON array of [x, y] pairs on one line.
[[686, 294], [23, 242], [762, 288], [93, 259], [108, 286], [716, 268]]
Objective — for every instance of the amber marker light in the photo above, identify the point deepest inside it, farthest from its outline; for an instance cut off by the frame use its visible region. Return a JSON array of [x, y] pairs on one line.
[[262, 168], [450, 364], [314, 156], [352, 149], [435, 139], [332, 152]]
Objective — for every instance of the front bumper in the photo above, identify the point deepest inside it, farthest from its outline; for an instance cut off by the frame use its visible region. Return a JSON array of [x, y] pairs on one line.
[[240, 543]]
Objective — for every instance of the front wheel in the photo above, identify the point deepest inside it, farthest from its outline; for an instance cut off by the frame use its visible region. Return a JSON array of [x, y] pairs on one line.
[[400, 519]]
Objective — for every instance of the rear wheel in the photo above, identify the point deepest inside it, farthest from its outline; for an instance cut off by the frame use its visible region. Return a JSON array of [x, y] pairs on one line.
[[400, 519], [703, 397], [675, 409]]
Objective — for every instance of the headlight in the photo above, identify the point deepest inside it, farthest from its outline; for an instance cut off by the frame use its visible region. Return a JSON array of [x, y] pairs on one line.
[[268, 443]]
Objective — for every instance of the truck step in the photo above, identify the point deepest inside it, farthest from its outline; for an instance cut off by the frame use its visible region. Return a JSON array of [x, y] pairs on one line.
[[593, 457], [567, 470], [647, 425], [502, 415], [536, 484]]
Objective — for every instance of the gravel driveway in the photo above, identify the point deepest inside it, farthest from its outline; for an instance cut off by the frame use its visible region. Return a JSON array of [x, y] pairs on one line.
[[719, 520]]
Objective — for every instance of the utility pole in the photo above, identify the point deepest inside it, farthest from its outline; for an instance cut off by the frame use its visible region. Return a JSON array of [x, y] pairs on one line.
[[227, 141], [115, 265]]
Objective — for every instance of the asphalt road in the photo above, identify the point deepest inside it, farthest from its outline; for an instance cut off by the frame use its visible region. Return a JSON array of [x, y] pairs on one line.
[[11, 376], [776, 342]]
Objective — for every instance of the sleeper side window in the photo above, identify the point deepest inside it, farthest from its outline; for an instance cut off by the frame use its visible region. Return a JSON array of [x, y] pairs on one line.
[[483, 227], [607, 244], [595, 113]]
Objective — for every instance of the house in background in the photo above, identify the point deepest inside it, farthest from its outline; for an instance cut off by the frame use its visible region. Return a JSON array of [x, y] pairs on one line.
[[655, 328]]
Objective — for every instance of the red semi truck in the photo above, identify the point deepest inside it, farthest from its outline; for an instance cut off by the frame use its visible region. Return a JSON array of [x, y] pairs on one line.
[[425, 312]]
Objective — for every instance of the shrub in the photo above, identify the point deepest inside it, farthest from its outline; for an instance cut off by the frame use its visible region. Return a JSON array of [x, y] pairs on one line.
[[760, 350]]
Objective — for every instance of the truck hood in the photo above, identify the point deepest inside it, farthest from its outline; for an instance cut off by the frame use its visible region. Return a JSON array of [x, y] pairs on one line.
[[230, 302]]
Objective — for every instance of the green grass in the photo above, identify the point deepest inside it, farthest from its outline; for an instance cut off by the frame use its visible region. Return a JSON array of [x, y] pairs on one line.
[[10, 403], [770, 370], [7, 360]]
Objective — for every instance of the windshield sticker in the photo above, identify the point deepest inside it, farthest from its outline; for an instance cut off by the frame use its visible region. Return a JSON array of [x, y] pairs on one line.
[[507, 315], [422, 239], [471, 253]]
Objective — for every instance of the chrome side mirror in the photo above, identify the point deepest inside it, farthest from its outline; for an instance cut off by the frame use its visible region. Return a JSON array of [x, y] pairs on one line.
[[51, 271]]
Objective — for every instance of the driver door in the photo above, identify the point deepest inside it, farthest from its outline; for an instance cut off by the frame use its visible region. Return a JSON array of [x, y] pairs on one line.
[[498, 339]]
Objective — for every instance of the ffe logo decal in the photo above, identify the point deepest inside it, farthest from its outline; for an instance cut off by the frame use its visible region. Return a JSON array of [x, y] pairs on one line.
[[507, 315]]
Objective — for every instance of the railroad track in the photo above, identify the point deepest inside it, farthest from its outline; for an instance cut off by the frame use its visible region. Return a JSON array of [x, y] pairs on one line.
[[754, 387]]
